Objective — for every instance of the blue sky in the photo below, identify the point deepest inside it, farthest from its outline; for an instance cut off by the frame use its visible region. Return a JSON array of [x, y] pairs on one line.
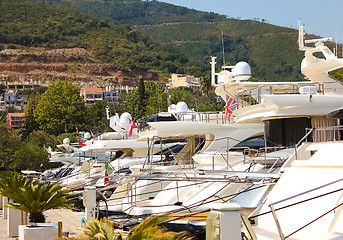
[[323, 18]]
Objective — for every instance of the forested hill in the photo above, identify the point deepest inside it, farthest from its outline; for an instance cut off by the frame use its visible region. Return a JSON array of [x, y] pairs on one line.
[[25, 23], [270, 50]]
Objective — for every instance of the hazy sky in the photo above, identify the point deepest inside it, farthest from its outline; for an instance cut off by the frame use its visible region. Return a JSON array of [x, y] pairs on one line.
[[323, 18]]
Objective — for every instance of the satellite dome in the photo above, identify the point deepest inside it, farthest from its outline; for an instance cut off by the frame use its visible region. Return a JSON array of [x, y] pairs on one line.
[[172, 108], [181, 107], [87, 136], [241, 71], [224, 76], [66, 141], [125, 119]]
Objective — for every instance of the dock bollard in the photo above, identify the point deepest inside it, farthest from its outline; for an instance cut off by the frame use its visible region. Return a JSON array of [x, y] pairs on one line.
[[89, 201], [224, 222]]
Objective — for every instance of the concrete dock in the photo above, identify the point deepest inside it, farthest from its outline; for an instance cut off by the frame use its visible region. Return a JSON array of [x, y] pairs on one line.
[[71, 222]]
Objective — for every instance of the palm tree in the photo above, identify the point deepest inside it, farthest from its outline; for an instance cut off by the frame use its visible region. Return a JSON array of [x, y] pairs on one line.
[[32, 196], [148, 229], [101, 229]]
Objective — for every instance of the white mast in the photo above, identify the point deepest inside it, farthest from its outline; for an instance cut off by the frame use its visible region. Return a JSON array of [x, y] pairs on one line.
[[213, 70]]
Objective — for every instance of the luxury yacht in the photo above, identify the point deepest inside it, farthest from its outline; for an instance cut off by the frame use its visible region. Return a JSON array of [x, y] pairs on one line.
[[286, 114], [306, 202]]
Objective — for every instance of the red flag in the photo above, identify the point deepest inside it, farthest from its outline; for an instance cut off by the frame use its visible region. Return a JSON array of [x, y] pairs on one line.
[[131, 129], [106, 178], [82, 144], [213, 87]]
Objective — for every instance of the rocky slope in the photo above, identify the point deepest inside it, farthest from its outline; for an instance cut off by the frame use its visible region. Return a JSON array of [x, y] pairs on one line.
[[40, 66]]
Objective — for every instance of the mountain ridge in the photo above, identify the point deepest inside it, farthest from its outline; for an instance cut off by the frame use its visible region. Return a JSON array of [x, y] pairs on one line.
[[199, 35]]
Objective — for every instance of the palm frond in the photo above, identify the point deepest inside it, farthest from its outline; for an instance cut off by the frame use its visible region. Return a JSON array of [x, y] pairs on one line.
[[101, 229], [32, 196], [137, 232]]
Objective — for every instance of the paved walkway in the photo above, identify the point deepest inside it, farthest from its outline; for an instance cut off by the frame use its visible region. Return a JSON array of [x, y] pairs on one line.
[[71, 222]]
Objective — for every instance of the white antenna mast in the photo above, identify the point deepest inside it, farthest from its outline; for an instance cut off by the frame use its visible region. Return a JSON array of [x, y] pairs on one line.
[[223, 48], [336, 41]]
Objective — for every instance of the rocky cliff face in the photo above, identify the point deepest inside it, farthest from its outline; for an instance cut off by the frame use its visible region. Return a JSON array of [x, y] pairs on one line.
[[38, 66]]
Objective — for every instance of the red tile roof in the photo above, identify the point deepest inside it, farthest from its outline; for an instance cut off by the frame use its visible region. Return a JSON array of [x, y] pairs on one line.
[[16, 114], [94, 90]]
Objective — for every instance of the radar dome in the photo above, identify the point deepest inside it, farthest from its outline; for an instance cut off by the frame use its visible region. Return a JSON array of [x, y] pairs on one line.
[[181, 107], [66, 141], [241, 71], [125, 119], [224, 76], [87, 136]]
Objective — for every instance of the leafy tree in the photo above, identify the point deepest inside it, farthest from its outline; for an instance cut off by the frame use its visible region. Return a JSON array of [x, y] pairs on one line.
[[183, 94], [141, 103], [60, 109], [141, 98], [156, 98], [97, 119], [29, 156], [33, 91], [9, 142], [29, 123], [42, 139], [135, 101], [3, 116], [32, 196], [337, 74]]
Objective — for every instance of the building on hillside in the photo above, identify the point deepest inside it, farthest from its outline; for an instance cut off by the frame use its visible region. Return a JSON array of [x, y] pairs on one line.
[[111, 95], [179, 80], [22, 82], [14, 119], [90, 95], [12, 98]]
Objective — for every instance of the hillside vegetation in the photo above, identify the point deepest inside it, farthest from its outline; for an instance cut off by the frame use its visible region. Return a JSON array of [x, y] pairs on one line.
[[25, 23], [270, 50]]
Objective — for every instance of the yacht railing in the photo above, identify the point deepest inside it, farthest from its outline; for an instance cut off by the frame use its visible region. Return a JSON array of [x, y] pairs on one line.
[[253, 96], [172, 157], [327, 134], [217, 117], [249, 154], [273, 210], [320, 134]]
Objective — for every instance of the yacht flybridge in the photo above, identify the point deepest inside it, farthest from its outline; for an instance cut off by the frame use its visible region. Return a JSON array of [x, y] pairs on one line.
[[286, 108]]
